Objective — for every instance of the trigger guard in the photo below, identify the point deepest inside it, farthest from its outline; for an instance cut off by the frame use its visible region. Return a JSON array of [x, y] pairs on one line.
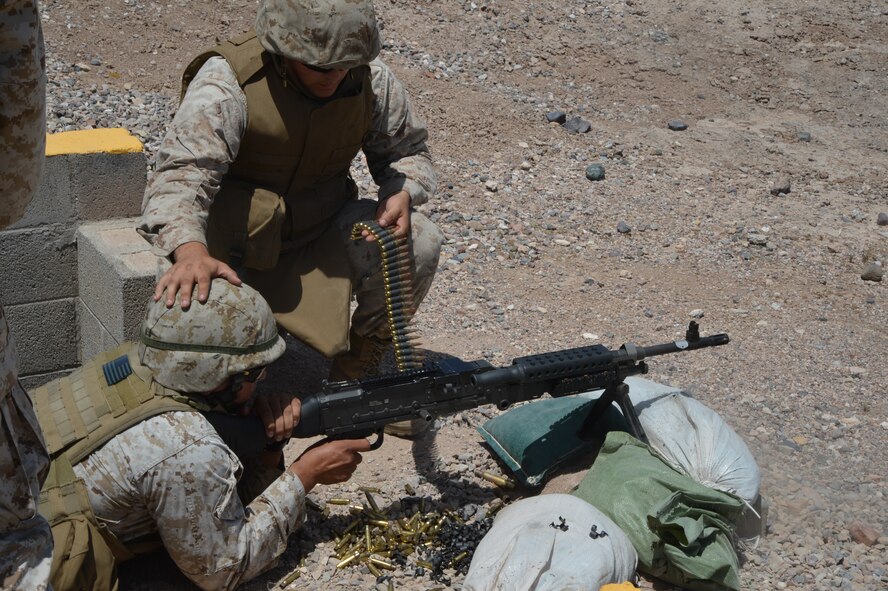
[[374, 445]]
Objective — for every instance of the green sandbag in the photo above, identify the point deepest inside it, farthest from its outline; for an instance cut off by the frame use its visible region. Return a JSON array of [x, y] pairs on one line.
[[682, 530], [536, 438]]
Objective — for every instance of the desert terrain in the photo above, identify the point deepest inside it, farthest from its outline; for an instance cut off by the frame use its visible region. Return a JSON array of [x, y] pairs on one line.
[[764, 218]]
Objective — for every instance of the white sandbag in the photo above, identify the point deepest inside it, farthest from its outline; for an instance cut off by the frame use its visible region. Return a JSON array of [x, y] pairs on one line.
[[524, 552], [695, 439]]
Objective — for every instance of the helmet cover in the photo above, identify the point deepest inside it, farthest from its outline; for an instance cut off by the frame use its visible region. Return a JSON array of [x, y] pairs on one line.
[[337, 34], [196, 350]]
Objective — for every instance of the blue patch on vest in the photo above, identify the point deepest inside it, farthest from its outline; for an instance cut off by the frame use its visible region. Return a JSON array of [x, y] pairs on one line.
[[117, 370]]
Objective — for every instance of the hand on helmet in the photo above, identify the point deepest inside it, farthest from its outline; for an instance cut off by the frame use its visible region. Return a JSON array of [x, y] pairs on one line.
[[193, 265]]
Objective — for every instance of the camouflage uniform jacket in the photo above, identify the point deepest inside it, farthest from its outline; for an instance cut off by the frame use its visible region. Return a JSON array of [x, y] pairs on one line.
[[206, 133], [173, 476]]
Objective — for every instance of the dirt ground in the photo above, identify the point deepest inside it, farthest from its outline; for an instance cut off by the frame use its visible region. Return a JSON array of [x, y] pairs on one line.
[[792, 95]]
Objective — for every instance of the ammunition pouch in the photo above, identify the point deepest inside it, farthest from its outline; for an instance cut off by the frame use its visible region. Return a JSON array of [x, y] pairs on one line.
[[251, 225], [85, 554], [247, 222]]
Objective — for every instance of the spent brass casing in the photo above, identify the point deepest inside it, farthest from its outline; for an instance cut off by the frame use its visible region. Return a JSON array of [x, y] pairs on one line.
[[500, 481], [290, 578], [371, 501], [382, 563], [425, 564], [348, 560], [343, 541], [338, 501], [373, 570], [459, 557], [369, 489]]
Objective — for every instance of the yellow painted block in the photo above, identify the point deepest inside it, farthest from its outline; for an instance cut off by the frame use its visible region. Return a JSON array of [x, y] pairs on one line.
[[619, 587], [92, 141]]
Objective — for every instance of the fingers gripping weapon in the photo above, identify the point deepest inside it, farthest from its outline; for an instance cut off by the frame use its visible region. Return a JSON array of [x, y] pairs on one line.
[[363, 407]]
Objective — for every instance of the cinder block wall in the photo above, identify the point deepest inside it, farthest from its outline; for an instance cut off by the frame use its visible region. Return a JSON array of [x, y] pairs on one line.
[[89, 176]]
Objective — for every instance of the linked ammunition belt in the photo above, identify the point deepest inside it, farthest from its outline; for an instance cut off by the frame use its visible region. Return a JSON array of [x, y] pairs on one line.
[[399, 301]]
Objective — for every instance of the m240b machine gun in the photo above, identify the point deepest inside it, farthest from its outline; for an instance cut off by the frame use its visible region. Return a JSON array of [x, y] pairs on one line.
[[360, 408]]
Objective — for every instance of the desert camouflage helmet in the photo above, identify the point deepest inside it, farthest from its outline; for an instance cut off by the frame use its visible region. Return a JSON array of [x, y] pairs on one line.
[[195, 350], [338, 34]]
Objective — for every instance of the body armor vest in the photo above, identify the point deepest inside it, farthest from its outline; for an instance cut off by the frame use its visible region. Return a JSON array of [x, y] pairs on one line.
[[79, 414], [291, 173], [109, 394]]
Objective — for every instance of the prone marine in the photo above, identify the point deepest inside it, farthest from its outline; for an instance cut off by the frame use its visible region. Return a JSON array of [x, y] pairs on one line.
[[141, 455]]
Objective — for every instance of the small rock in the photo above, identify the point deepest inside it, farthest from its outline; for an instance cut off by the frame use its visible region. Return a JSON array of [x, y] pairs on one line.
[[781, 186], [562, 242], [697, 313], [677, 125], [863, 534], [757, 239], [556, 117], [595, 172], [491, 186], [525, 165], [882, 220], [577, 125], [804, 136], [623, 227], [872, 272], [589, 336]]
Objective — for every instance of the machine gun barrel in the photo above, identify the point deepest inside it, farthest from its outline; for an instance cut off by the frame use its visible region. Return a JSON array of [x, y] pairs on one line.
[[588, 360]]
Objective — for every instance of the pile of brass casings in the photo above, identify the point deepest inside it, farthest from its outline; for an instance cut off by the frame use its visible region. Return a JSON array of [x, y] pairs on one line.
[[383, 542]]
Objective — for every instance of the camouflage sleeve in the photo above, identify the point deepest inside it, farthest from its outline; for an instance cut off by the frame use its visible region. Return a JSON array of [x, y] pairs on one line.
[[214, 540], [396, 146], [22, 107], [200, 144]]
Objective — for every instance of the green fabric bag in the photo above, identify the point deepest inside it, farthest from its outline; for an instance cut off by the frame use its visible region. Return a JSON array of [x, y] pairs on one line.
[[683, 531], [536, 438]]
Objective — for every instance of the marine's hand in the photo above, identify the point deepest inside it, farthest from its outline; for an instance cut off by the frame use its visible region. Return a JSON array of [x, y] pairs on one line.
[[394, 211], [279, 414], [192, 265], [329, 462]]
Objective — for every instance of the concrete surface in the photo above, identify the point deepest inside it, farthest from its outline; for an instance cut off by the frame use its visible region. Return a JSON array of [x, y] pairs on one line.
[[116, 276], [72, 283]]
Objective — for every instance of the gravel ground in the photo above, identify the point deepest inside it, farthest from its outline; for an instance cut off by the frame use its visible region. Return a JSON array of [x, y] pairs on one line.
[[743, 151]]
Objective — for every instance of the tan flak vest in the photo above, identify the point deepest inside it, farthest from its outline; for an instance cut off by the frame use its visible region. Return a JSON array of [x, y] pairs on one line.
[[272, 214], [78, 414]]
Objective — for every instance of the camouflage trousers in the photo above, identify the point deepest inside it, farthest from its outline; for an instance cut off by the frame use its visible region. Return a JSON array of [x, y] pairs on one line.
[[22, 106], [370, 317], [25, 537]]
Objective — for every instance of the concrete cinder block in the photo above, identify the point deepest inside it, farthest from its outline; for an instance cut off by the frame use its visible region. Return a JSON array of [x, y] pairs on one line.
[[46, 335], [53, 203], [38, 264], [116, 272], [37, 380], [107, 186], [94, 337]]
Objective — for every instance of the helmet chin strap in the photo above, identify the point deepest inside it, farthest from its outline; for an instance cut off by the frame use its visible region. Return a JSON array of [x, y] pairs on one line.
[[227, 396]]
